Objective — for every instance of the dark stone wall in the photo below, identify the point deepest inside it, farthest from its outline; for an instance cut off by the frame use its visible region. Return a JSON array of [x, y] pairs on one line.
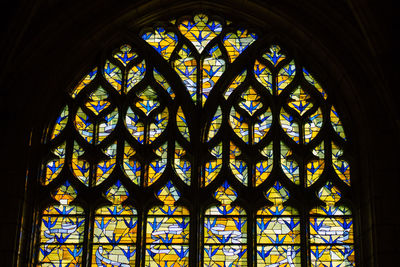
[[47, 45]]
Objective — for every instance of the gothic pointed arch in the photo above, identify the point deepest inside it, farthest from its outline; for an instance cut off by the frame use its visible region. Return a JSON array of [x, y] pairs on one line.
[[197, 141]]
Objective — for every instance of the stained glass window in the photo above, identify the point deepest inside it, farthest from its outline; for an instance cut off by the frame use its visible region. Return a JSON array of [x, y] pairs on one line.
[[199, 144]]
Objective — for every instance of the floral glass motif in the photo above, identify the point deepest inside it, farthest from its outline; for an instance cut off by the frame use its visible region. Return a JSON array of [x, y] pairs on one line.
[[278, 231], [331, 231], [167, 231], [225, 231], [62, 230], [115, 230], [200, 104]]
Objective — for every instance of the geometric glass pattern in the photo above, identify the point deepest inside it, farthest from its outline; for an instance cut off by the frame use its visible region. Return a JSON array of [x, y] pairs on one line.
[[199, 143]]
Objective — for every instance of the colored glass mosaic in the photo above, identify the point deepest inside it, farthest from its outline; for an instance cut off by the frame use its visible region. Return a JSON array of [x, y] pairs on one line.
[[182, 124], [53, 167], [285, 76], [263, 168], [300, 101], [105, 167], [157, 127], [80, 167], [313, 126], [107, 125], [115, 230], [315, 167], [215, 124], [334, 256], [131, 165], [239, 126], [148, 101], [314, 83], [262, 126], [162, 41], [62, 231], [263, 75], [97, 101], [84, 125], [274, 55], [235, 43], [163, 82], [182, 164], [290, 125], [239, 79], [213, 68], [84, 82], [341, 166], [125, 54], [251, 101], [135, 126], [157, 167], [200, 31], [166, 236], [200, 105], [225, 231], [336, 123], [279, 256], [186, 67], [113, 75], [289, 166], [213, 167], [238, 167], [60, 123], [135, 75]]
